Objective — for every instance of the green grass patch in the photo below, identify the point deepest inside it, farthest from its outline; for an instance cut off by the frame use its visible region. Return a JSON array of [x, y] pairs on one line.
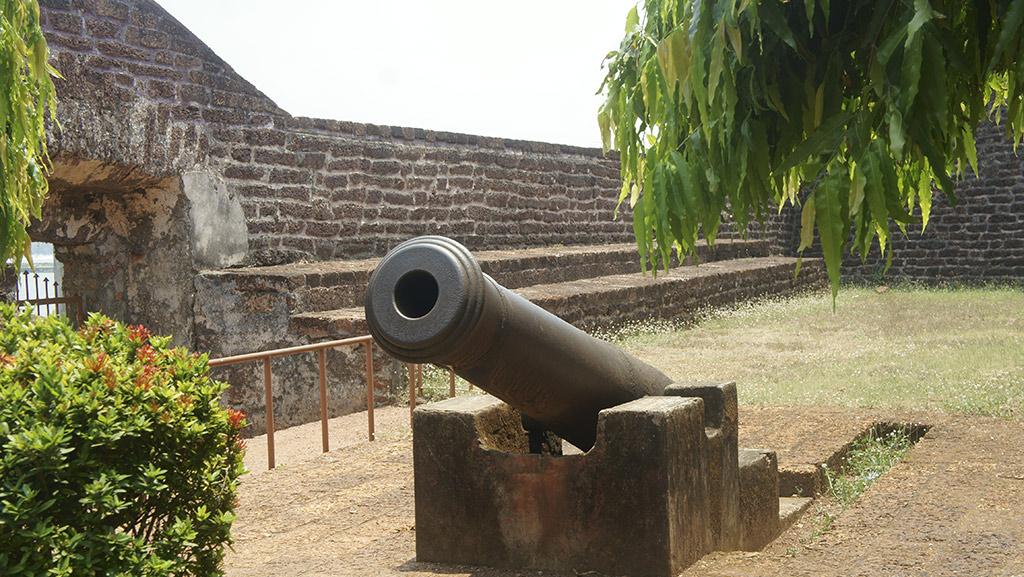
[[436, 386], [868, 459], [953, 349]]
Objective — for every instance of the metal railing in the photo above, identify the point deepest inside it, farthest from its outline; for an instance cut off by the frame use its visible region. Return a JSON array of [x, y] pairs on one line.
[[416, 384], [321, 350], [43, 301], [415, 377]]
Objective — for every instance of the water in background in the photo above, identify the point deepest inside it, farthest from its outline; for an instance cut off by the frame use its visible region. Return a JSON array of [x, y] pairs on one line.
[[49, 270]]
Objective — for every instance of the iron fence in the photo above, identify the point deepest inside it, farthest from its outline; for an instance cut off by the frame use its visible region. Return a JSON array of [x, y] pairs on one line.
[[40, 293]]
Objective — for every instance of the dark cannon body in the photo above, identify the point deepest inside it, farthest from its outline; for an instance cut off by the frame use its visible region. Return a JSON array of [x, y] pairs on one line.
[[662, 480], [429, 302]]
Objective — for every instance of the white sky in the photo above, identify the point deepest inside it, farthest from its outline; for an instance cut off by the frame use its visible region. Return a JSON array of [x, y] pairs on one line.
[[525, 69]]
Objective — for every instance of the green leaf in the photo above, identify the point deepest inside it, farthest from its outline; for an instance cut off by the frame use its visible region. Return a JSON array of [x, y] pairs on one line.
[[715, 72], [776, 22], [807, 225], [971, 150], [824, 139], [889, 46], [859, 182], [911, 72], [924, 198], [1009, 31], [604, 123], [651, 90], [897, 138], [674, 57], [632, 20], [875, 186], [923, 13], [828, 214], [640, 231], [735, 40], [937, 162]]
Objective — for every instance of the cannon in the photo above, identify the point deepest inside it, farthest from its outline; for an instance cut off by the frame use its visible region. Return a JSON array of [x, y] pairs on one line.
[[660, 482], [429, 302]]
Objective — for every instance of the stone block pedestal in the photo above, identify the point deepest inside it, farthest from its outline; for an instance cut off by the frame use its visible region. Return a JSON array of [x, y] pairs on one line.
[[660, 488], [634, 504]]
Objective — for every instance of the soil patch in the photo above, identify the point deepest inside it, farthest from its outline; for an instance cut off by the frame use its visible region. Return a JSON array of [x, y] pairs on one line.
[[950, 508]]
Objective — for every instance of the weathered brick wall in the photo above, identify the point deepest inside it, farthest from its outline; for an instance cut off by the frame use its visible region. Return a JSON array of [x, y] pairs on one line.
[[139, 90], [324, 189], [144, 99], [981, 239]]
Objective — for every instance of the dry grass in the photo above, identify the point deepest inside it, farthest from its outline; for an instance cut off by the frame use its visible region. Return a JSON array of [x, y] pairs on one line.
[[959, 350]]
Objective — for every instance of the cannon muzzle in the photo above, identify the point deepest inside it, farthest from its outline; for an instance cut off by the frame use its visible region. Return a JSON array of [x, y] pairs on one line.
[[429, 302]]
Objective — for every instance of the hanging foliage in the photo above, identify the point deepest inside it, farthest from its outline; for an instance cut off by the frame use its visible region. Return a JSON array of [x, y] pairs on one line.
[[27, 97], [734, 105]]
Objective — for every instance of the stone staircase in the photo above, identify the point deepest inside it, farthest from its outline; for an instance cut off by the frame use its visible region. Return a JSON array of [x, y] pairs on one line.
[[595, 286], [260, 308]]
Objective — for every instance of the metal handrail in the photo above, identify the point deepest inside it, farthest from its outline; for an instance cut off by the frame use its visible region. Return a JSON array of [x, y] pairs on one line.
[[321, 350], [415, 372]]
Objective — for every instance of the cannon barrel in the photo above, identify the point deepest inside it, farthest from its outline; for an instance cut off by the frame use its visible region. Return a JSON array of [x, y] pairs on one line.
[[429, 302]]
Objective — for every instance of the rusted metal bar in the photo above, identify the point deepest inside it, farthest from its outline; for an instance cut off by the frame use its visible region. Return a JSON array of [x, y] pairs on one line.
[[269, 394], [321, 349], [80, 305], [38, 304], [322, 358], [370, 387], [412, 390], [56, 295], [451, 382], [46, 291], [38, 307], [250, 357], [50, 301]]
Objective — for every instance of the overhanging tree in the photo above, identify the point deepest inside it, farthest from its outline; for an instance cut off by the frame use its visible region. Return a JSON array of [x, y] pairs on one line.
[[27, 97], [733, 105]]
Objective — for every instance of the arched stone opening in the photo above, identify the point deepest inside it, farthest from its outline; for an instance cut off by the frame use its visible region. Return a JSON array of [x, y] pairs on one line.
[[124, 240]]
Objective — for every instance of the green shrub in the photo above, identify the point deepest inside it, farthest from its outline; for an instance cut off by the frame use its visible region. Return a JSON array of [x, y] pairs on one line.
[[116, 456]]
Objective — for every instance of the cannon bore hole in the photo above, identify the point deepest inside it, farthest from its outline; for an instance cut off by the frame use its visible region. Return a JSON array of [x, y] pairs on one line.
[[416, 294]]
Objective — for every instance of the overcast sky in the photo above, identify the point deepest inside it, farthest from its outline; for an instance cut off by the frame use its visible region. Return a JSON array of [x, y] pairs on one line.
[[524, 69]]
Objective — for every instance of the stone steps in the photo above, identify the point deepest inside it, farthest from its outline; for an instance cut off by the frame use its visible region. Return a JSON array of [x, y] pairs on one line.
[[791, 509], [604, 301], [331, 285]]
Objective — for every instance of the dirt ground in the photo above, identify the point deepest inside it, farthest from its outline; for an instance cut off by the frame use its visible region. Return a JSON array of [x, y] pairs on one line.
[[951, 508]]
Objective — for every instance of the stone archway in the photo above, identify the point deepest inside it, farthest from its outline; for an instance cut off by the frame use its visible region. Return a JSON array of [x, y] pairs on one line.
[[123, 239], [132, 244]]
